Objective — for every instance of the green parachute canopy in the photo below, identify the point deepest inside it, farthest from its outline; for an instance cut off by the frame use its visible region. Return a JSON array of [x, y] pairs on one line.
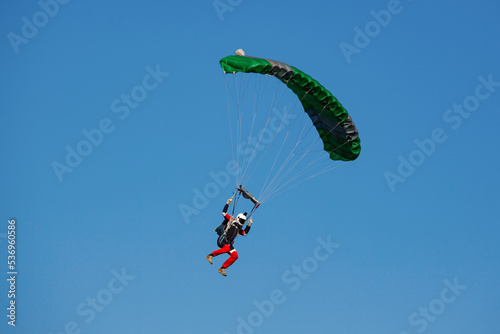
[[334, 125]]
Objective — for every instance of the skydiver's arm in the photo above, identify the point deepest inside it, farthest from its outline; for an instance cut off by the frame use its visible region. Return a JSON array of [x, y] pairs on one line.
[[226, 215], [224, 211], [247, 229], [244, 231]]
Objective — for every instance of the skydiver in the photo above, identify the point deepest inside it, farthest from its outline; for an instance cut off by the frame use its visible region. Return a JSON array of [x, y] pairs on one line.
[[233, 227]]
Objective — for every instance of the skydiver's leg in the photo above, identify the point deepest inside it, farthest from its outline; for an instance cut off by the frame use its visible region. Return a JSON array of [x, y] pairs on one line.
[[224, 249], [233, 256]]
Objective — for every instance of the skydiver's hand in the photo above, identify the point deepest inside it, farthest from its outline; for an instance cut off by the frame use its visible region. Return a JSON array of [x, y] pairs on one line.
[[250, 221], [229, 201]]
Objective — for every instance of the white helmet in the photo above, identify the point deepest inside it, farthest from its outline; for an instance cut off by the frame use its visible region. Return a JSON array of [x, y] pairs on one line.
[[241, 218]]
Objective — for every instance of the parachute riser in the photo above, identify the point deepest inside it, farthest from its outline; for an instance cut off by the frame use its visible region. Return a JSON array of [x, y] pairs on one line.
[[253, 210]]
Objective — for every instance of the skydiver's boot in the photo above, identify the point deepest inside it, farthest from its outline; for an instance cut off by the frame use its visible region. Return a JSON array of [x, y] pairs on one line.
[[222, 271], [209, 258]]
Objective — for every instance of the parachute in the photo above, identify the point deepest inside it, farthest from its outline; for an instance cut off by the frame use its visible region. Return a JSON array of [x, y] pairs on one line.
[[334, 125], [337, 131]]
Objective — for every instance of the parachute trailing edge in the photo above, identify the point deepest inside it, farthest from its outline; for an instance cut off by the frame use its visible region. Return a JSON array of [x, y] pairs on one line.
[[334, 125]]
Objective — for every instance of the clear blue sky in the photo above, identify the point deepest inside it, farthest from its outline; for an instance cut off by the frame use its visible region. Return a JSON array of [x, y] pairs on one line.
[[411, 225]]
